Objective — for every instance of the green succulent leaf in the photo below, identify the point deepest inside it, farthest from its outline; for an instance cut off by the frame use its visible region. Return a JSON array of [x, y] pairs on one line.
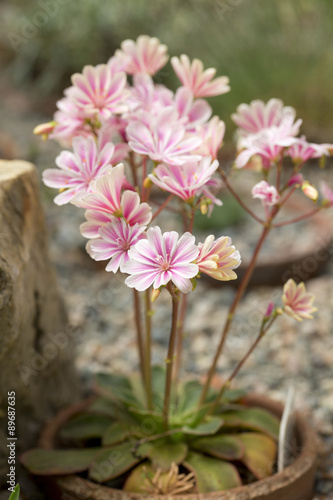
[[113, 462], [16, 493], [212, 474], [158, 374], [233, 395], [85, 426], [260, 453], [138, 479], [118, 387], [150, 422], [163, 453], [104, 406], [116, 433], [138, 389], [190, 395], [253, 419], [212, 426], [55, 462], [221, 446]]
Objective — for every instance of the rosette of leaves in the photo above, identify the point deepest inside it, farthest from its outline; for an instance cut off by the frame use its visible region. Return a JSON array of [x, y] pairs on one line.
[[117, 441]]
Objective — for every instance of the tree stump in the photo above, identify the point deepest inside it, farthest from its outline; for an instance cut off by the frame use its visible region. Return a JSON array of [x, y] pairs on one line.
[[36, 355]]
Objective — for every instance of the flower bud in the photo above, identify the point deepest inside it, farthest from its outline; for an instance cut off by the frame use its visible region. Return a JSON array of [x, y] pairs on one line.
[[44, 129], [269, 309], [155, 294], [296, 179], [147, 183], [322, 161], [203, 208], [310, 191]]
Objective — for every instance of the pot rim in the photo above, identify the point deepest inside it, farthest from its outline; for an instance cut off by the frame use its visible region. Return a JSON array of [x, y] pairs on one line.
[[303, 465]]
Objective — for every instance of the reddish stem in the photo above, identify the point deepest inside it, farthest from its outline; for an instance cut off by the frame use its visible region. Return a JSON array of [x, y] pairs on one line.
[[164, 204], [297, 219], [238, 296], [240, 201], [137, 316]]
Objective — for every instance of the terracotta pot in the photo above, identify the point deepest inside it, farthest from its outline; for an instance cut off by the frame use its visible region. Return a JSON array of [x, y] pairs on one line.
[[294, 483]]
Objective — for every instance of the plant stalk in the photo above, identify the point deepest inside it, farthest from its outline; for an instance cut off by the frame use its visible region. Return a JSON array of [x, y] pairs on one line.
[[161, 207], [169, 361], [238, 198], [227, 383], [148, 352], [230, 317], [297, 219], [137, 320], [180, 333]]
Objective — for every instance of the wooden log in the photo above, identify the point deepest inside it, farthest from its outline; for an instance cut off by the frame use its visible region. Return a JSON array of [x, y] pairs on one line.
[[36, 354]]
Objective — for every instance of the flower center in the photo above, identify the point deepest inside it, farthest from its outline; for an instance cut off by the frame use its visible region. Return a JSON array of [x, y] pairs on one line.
[[125, 245], [163, 262]]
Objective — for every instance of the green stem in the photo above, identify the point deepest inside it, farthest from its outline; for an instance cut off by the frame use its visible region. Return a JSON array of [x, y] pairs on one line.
[[148, 352], [169, 361], [230, 317], [137, 318]]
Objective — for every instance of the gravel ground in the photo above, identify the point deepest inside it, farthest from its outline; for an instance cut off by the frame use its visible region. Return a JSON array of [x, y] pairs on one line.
[[99, 305]]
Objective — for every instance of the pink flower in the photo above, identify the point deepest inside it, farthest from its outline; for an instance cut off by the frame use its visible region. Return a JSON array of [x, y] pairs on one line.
[[78, 169], [106, 200], [212, 134], [115, 240], [147, 96], [302, 151], [109, 133], [327, 194], [256, 116], [70, 121], [187, 180], [266, 193], [98, 92], [193, 112], [297, 302], [199, 81], [218, 258], [268, 143], [146, 55], [160, 259], [162, 138]]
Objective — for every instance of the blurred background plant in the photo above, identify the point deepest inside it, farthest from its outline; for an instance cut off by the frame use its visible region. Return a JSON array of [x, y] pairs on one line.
[[280, 48]]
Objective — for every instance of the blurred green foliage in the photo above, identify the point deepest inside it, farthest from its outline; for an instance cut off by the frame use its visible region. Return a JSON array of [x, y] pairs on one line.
[[229, 214], [280, 48]]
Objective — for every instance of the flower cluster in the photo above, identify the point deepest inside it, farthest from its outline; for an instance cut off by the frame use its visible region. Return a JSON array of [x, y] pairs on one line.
[[129, 138], [168, 139], [267, 133]]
